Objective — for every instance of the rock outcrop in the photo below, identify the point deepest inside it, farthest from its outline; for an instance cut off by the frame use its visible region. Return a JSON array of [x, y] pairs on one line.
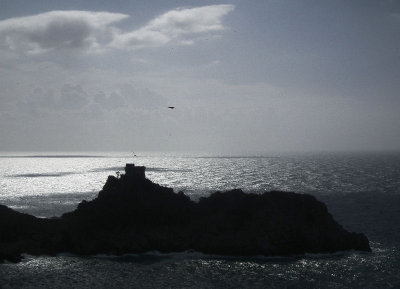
[[131, 214]]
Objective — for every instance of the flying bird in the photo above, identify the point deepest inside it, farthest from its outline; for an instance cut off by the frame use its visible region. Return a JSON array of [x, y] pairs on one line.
[[171, 107]]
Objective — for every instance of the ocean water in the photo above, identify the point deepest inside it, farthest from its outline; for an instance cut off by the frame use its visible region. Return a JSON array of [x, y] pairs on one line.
[[362, 192]]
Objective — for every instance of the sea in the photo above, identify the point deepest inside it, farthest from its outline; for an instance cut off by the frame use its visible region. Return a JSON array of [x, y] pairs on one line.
[[361, 191]]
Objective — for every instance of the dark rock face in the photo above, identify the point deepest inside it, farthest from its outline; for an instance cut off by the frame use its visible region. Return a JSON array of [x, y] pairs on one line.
[[132, 214]]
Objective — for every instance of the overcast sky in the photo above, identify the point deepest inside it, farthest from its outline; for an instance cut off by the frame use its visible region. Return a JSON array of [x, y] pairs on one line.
[[246, 77]]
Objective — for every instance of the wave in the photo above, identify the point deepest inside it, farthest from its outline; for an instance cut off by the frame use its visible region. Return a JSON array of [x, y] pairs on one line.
[[106, 169], [98, 170], [153, 257], [54, 156], [235, 157], [168, 170], [41, 175]]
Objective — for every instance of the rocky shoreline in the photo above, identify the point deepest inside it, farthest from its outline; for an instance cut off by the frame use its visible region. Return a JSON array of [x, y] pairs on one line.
[[131, 214]]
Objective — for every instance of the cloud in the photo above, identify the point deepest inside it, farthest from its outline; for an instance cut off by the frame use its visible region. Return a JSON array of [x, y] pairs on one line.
[[73, 97], [96, 31], [181, 26], [58, 30], [44, 102]]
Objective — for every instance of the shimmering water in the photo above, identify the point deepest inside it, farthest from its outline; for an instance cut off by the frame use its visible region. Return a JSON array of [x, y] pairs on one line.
[[362, 191]]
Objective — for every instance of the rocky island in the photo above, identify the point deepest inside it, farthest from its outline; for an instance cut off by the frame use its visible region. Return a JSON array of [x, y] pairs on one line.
[[131, 214]]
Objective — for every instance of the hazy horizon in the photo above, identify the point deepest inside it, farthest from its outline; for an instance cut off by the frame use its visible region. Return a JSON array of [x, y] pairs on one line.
[[244, 78], [191, 154]]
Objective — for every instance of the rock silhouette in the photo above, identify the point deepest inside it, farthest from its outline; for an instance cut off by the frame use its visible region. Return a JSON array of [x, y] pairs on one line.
[[131, 214]]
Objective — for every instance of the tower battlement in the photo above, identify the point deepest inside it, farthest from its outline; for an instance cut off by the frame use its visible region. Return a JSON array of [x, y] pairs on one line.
[[133, 171]]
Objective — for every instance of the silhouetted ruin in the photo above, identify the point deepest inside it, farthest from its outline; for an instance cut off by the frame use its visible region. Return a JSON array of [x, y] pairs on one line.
[[131, 214]]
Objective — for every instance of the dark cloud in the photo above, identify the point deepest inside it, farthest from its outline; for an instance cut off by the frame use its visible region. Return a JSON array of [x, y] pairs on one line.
[[60, 33]]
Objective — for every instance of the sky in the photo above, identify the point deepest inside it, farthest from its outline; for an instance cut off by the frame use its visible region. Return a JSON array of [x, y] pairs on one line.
[[245, 77]]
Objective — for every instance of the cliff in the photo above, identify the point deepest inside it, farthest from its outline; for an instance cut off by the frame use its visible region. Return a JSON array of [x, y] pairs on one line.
[[131, 214]]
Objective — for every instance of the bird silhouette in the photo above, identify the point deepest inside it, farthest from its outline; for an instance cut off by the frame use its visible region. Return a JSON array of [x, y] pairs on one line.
[[171, 107]]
